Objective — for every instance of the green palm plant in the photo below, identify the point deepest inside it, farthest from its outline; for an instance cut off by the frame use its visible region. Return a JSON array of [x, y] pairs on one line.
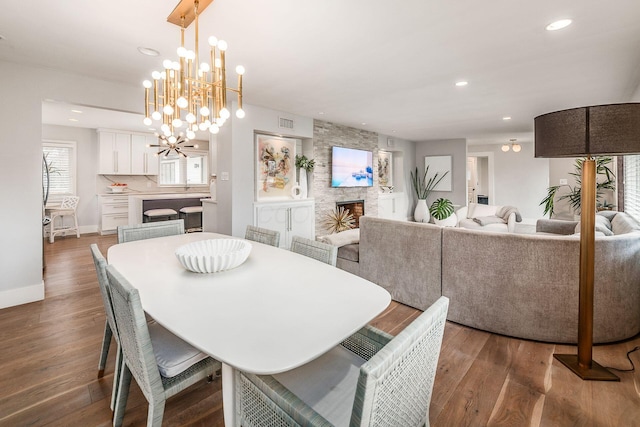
[[575, 192], [424, 187]]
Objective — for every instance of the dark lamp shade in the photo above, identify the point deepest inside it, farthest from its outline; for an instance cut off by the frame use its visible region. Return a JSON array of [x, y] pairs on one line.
[[612, 129]]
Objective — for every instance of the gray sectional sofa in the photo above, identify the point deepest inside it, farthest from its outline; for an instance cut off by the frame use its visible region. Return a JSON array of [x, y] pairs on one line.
[[520, 285]]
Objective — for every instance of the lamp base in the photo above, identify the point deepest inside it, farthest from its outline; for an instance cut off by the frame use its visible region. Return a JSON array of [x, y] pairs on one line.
[[595, 373]]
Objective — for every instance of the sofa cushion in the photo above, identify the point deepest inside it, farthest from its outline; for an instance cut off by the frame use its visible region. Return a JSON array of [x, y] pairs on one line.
[[623, 223], [350, 252], [472, 224], [478, 210], [342, 238], [603, 226]]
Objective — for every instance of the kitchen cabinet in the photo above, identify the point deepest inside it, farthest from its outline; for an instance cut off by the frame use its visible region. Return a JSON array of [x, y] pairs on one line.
[[294, 218], [114, 211], [143, 159], [115, 153]]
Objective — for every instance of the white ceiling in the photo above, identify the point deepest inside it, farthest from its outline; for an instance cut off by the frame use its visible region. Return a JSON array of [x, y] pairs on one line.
[[389, 64]]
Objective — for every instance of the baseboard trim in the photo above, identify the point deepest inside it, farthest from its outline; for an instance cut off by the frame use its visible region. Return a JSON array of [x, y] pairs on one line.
[[23, 295]]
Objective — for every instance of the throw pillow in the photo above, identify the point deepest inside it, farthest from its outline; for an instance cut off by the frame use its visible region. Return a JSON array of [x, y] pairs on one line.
[[602, 225], [623, 223]]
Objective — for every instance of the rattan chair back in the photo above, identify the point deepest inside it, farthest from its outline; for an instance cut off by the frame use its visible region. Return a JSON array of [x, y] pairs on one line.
[[317, 250], [262, 235], [150, 230]]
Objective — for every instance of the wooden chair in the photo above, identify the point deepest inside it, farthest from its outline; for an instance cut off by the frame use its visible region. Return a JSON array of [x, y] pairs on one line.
[[161, 363], [149, 230], [262, 235], [316, 250], [67, 209], [370, 379]]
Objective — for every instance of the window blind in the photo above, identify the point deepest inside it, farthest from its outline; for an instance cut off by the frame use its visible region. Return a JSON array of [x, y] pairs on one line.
[[632, 185], [60, 157]]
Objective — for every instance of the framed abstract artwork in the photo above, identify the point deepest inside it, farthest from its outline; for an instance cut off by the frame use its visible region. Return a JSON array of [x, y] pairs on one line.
[[275, 167], [385, 168]]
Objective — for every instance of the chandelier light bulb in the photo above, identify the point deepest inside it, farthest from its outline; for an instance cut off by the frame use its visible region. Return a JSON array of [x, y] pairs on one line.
[[175, 66], [164, 127], [167, 64], [156, 75], [224, 113], [240, 113], [217, 63], [182, 52], [163, 75], [168, 110], [167, 133], [147, 121], [214, 129], [182, 102], [240, 70], [222, 45], [191, 118], [213, 40], [176, 123], [516, 148], [146, 84], [191, 55], [204, 111], [194, 127], [195, 145], [202, 126], [191, 134], [156, 115], [505, 148], [220, 121], [204, 67], [172, 139]]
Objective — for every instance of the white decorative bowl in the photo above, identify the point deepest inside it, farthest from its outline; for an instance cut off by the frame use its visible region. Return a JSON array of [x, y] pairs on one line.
[[210, 256]]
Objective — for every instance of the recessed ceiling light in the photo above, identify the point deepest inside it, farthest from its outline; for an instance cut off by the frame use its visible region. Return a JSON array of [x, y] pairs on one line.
[[506, 118], [76, 111], [73, 120], [148, 51], [321, 113], [558, 25], [364, 124], [462, 83]]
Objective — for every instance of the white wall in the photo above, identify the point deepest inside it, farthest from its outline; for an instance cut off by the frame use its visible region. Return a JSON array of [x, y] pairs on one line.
[[21, 119], [404, 154], [457, 149], [236, 157], [520, 180]]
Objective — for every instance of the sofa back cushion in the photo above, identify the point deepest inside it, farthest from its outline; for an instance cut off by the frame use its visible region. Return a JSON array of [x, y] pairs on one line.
[[477, 210], [623, 224]]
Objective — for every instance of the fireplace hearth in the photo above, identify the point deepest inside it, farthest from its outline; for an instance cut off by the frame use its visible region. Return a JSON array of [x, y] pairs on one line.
[[355, 207]]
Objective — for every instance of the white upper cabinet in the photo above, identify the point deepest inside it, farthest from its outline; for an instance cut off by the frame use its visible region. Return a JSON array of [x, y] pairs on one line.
[[126, 153]]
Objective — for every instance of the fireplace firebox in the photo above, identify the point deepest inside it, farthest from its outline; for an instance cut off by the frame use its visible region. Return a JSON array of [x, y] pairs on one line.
[[355, 207]]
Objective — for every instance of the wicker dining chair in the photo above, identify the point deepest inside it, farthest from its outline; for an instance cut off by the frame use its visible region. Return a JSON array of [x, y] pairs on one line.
[[316, 250], [110, 329], [149, 230], [370, 379], [262, 235], [161, 363]]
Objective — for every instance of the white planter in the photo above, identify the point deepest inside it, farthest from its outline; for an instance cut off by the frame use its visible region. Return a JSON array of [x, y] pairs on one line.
[[450, 221], [303, 184], [421, 213]]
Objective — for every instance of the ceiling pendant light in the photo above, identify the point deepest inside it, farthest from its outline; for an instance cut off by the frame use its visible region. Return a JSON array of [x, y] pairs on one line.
[[171, 143], [515, 147], [188, 93]]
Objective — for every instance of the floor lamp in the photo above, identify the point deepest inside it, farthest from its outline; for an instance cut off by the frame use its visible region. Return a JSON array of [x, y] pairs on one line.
[[584, 132]]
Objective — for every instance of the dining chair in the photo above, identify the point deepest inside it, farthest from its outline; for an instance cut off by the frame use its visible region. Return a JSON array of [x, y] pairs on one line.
[[110, 329], [149, 230], [370, 379], [67, 208], [316, 250], [262, 235], [161, 363]]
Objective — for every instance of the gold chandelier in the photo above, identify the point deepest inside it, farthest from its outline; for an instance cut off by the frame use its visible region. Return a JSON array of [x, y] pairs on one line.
[[188, 95]]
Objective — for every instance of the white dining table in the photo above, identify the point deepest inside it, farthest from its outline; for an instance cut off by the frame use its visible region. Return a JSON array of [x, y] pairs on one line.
[[275, 312]]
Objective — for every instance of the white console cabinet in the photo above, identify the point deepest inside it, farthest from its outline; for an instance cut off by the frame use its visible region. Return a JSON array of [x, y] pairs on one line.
[[392, 206], [291, 218], [114, 211]]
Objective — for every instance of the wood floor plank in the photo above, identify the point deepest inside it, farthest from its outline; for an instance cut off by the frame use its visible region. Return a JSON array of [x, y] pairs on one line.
[[50, 349]]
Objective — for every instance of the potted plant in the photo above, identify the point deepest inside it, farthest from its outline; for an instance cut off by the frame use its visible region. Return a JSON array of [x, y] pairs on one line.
[[605, 180], [423, 187], [442, 212], [304, 165]]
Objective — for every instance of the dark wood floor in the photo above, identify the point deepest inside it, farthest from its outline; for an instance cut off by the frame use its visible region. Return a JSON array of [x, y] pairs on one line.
[[49, 353]]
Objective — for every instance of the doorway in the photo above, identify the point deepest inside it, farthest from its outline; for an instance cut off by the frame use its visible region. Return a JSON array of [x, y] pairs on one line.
[[480, 182]]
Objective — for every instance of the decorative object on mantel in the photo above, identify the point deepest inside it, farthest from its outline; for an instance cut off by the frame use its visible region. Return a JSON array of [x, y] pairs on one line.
[[304, 166], [171, 143], [609, 130], [339, 220], [275, 171], [213, 255], [190, 88], [442, 212], [423, 187], [575, 192]]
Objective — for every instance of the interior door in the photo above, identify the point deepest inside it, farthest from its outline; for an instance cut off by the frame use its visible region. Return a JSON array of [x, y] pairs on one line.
[[472, 179]]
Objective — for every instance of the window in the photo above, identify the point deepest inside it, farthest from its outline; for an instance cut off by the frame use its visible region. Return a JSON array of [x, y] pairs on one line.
[[177, 170], [60, 157], [631, 185]]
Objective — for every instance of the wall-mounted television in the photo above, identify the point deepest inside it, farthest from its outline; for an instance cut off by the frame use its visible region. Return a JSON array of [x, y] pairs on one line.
[[351, 167]]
